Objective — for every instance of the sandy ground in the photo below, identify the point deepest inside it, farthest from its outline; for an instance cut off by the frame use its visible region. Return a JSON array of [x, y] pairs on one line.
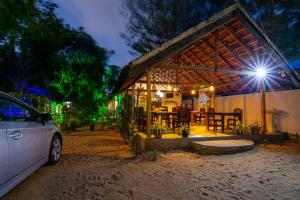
[[99, 165]]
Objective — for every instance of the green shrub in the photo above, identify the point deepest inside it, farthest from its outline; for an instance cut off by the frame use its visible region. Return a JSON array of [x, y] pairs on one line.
[[72, 126]]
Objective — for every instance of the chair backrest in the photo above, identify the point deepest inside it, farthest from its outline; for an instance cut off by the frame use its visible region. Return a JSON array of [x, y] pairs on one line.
[[202, 111], [174, 109], [237, 110], [140, 113], [164, 108], [211, 113], [184, 115]]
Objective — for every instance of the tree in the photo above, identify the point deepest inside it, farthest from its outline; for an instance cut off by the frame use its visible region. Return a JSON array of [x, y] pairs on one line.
[[153, 22], [30, 37], [38, 49], [81, 79], [14, 18]]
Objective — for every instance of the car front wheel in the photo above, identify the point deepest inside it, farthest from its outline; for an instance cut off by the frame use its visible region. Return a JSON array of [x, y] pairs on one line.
[[55, 150]]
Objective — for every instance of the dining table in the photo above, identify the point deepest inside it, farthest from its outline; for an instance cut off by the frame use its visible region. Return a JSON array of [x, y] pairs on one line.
[[161, 114], [222, 115]]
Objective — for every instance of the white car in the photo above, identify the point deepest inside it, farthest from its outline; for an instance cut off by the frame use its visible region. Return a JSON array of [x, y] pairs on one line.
[[28, 140]]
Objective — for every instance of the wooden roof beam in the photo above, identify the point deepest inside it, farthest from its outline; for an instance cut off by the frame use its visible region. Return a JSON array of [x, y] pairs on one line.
[[209, 69], [171, 83], [200, 61], [212, 61], [231, 50], [222, 57], [179, 59], [231, 31]]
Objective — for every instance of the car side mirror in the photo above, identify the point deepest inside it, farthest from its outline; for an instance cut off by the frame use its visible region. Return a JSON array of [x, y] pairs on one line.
[[45, 117]]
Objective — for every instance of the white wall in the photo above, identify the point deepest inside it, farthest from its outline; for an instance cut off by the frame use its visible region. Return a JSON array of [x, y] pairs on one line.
[[288, 102]]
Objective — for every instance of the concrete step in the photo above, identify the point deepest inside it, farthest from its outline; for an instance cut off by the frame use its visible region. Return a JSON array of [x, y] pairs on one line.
[[221, 147]]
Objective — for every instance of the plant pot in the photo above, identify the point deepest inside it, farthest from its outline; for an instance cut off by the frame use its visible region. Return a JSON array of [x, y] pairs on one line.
[[254, 130], [157, 133], [92, 127], [185, 133]]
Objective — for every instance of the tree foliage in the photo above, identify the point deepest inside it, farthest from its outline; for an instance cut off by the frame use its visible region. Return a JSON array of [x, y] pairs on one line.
[[38, 48], [153, 22]]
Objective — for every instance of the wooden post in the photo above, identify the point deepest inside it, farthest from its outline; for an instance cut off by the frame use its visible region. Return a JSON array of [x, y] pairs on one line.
[[263, 106], [132, 97], [148, 127], [216, 64], [213, 99]]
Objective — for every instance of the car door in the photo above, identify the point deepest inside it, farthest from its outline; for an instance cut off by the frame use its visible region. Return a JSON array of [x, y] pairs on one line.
[[4, 154], [27, 136]]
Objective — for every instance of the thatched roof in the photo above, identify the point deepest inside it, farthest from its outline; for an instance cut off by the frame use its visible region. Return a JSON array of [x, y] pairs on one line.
[[190, 59]]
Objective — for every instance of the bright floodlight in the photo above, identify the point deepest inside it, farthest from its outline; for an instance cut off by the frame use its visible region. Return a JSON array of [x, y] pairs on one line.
[[261, 72]]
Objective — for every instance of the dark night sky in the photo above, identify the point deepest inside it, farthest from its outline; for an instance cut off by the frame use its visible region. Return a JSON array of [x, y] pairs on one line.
[[102, 20]]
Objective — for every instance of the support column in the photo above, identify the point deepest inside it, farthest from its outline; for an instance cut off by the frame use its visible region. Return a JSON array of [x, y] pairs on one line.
[[148, 127], [216, 44], [263, 106], [132, 98], [213, 100]]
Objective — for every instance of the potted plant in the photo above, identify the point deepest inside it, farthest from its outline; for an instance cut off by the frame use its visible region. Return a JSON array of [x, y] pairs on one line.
[[254, 128], [92, 126], [156, 130], [239, 128], [184, 130]]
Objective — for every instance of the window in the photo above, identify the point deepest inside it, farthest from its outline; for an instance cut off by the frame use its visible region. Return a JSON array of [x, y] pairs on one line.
[[10, 111]]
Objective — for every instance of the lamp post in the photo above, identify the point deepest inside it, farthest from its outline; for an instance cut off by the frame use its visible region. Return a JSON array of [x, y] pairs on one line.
[[261, 73]]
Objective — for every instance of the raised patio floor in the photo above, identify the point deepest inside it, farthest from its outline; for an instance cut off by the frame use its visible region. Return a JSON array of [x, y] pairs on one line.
[[199, 133]]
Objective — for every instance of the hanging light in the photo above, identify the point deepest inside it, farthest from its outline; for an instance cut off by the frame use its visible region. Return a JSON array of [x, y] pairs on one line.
[[211, 88], [193, 92], [175, 90], [159, 93]]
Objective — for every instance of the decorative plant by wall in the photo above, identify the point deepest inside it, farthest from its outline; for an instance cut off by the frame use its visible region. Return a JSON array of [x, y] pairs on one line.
[[119, 112], [127, 129]]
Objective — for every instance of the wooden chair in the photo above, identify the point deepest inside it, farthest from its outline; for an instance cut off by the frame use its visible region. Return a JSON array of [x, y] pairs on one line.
[[201, 116], [183, 118], [232, 121], [212, 120], [166, 119]]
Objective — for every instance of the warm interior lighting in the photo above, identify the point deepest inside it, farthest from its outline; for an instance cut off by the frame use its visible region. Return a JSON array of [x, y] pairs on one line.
[[175, 89], [169, 88], [159, 94], [261, 72], [193, 92], [211, 88]]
